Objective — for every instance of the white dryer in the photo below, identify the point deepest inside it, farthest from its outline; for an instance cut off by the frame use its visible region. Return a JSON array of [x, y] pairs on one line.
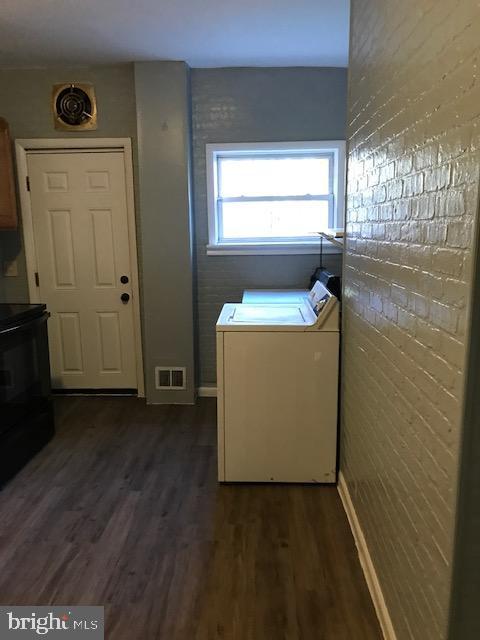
[[277, 380]]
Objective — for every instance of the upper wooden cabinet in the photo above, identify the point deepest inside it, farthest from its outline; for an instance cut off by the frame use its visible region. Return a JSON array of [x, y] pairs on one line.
[[8, 205]]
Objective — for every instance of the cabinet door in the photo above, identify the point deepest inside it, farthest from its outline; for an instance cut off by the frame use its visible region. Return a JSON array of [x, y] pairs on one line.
[[8, 206]]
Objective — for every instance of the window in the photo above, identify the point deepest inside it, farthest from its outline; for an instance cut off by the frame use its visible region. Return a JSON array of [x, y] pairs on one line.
[[273, 197]]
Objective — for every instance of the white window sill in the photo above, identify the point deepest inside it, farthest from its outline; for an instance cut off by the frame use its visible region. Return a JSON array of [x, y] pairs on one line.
[[272, 249]]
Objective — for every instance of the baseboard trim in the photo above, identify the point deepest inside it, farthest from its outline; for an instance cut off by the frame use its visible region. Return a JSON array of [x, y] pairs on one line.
[[366, 562], [207, 392]]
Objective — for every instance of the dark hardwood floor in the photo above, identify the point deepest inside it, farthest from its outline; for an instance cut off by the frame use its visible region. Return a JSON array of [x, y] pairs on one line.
[[122, 509]]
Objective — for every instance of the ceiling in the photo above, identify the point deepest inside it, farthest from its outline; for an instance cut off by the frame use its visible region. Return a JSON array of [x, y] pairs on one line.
[[205, 33]]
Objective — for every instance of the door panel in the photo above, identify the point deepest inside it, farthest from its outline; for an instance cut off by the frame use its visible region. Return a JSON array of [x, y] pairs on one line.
[[55, 181], [80, 224], [109, 342], [98, 181], [61, 243], [102, 237], [70, 343]]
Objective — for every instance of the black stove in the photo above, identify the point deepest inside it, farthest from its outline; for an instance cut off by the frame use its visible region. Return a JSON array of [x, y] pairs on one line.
[[26, 413], [14, 314]]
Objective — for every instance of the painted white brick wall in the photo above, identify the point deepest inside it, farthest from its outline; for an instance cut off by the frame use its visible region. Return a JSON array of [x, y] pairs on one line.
[[414, 153]]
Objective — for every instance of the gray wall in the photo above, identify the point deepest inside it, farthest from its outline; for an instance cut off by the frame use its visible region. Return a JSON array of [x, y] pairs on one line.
[[25, 103], [255, 105], [229, 105], [162, 195], [163, 122]]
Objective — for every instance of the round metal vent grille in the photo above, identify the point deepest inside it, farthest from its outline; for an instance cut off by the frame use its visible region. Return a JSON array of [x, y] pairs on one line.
[[73, 106]]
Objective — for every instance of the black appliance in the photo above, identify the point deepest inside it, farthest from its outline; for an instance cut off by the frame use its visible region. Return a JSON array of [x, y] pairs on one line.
[[332, 282], [26, 411]]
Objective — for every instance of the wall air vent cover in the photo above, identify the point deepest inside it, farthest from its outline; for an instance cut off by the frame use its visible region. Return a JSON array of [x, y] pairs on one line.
[[74, 107], [173, 378]]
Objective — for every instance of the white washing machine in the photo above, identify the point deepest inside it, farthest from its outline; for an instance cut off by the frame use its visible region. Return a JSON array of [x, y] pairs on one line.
[[277, 381]]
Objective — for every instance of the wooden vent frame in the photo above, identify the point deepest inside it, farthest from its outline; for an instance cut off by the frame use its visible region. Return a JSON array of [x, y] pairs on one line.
[[8, 202]]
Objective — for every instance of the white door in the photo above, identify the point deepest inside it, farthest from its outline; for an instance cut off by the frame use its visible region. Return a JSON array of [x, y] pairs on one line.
[[80, 226]]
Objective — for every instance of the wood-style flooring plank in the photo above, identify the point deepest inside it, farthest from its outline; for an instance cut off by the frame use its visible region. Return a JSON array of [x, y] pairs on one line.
[[122, 509]]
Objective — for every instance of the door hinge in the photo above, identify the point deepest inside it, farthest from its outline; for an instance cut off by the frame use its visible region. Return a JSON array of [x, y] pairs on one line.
[[28, 183], [37, 279]]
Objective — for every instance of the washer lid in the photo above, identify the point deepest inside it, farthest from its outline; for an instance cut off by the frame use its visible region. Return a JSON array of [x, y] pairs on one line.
[[275, 296], [271, 314]]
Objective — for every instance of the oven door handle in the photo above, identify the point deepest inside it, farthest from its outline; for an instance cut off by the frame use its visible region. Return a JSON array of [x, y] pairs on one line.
[[25, 325]]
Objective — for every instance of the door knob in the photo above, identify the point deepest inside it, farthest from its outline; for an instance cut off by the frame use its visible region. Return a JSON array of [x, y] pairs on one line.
[[124, 279], [125, 298]]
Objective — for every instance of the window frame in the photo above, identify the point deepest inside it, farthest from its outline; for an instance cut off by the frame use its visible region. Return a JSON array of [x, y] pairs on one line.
[[333, 149]]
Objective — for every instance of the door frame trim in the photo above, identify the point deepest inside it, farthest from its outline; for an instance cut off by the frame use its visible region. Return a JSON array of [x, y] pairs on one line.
[[22, 147]]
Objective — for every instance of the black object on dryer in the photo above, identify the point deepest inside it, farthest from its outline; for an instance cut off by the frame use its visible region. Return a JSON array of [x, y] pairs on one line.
[[332, 282]]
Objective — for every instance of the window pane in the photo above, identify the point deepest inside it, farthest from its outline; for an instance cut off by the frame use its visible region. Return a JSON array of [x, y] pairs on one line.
[[277, 219], [273, 176]]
